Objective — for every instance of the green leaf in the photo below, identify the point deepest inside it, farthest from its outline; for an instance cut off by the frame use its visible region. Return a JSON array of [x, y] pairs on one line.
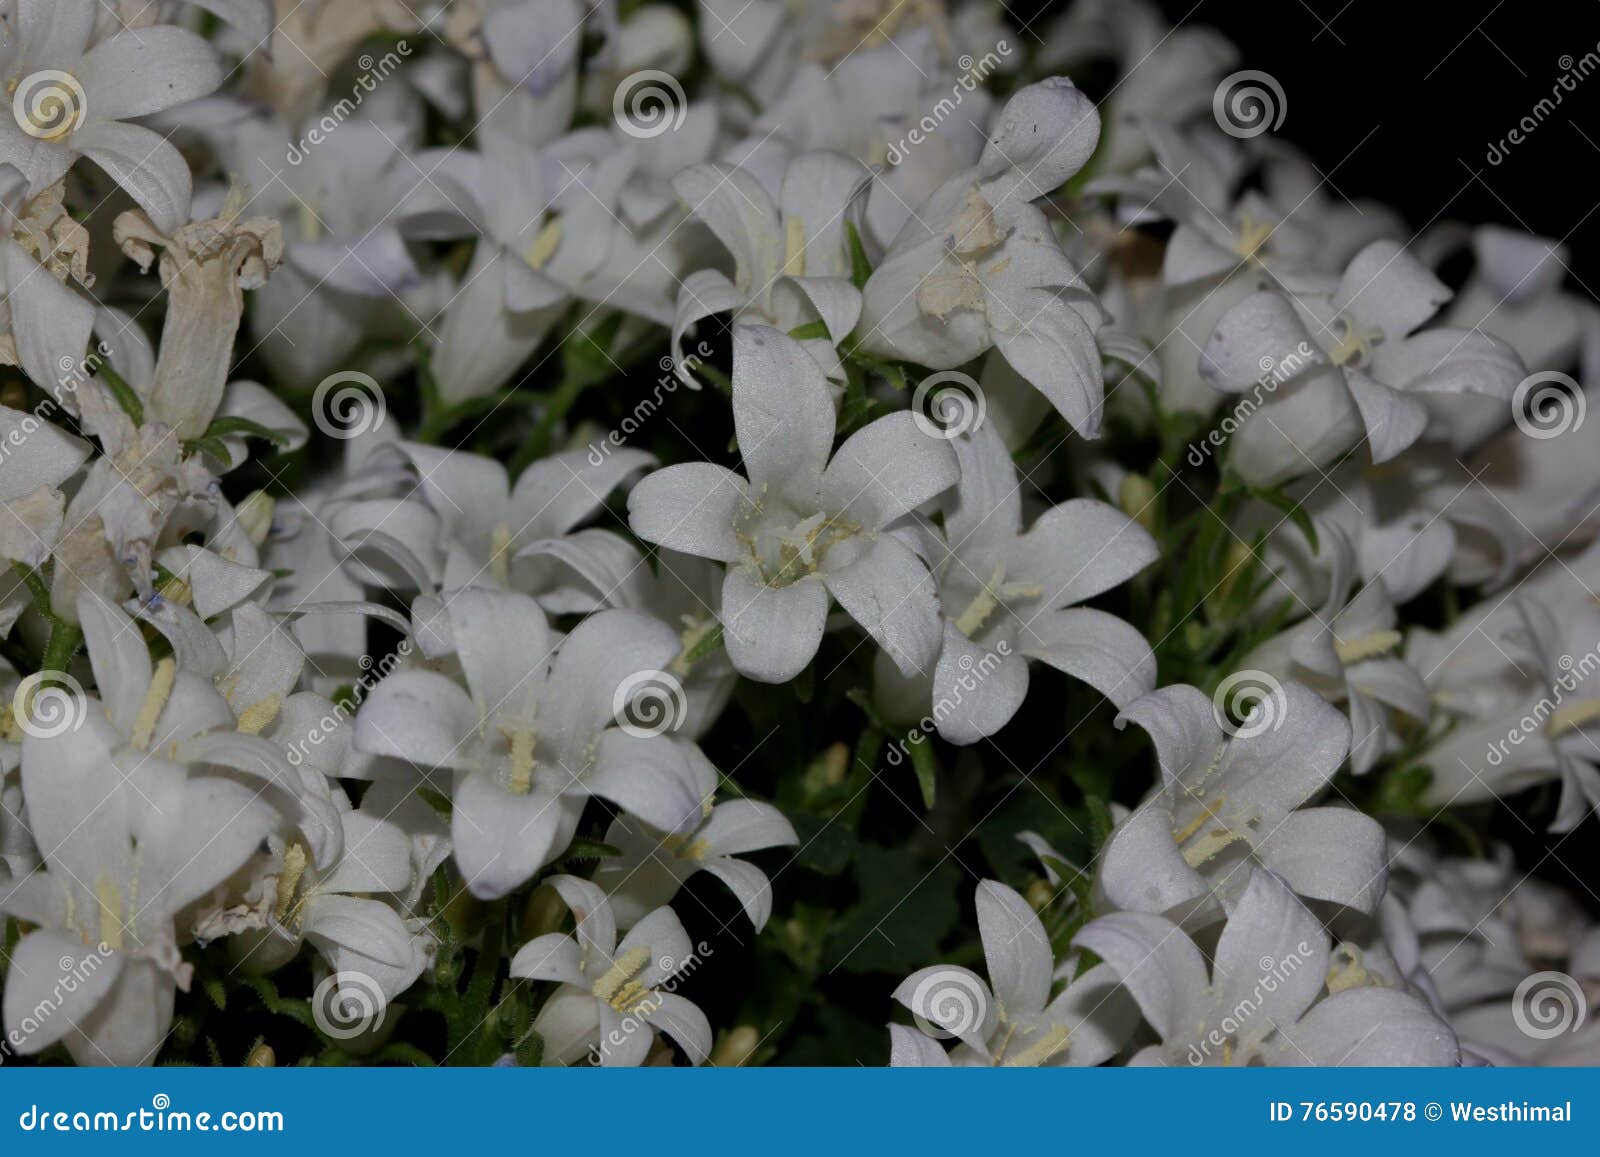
[[860, 267], [1274, 496], [214, 447], [126, 396], [811, 331], [926, 765], [249, 427], [704, 646]]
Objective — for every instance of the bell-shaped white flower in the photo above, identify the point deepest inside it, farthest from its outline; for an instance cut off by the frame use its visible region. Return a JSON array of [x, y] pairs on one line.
[[654, 864], [534, 734], [1009, 595], [977, 266], [1353, 658], [1359, 367], [803, 527], [73, 99], [1016, 1023], [791, 263], [1228, 801], [128, 838], [1269, 996], [614, 997]]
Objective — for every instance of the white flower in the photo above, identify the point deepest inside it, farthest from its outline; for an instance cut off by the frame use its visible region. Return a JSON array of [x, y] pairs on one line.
[[163, 710], [545, 219], [76, 100], [1008, 596], [1537, 714], [129, 837], [803, 527], [1225, 803], [614, 997], [1369, 373], [205, 268], [978, 266], [1017, 1023], [473, 527], [38, 457], [654, 865], [1352, 658], [44, 323], [1269, 998], [357, 912], [791, 263], [533, 735]]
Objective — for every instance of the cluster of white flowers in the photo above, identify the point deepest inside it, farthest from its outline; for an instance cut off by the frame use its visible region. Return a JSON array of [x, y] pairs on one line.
[[396, 663]]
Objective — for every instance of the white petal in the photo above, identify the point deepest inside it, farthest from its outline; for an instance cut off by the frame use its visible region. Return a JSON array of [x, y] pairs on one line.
[[771, 633]]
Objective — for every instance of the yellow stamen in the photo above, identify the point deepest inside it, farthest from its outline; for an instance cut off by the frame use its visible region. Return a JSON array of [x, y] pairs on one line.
[[1253, 235], [499, 554], [794, 247], [1367, 646], [257, 717], [544, 245], [983, 605], [109, 897], [155, 701], [1042, 1050], [1572, 717], [616, 985], [522, 740], [294, 870], [1355, 343]]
